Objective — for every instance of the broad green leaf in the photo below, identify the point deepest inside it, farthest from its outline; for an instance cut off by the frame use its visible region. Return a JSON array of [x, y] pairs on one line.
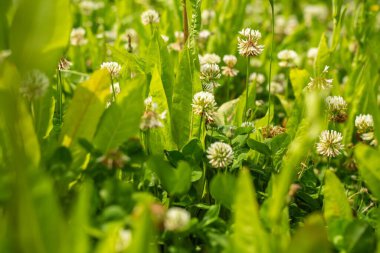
[[248, 232], [43, 114], [259, 147], [299, 79], [176, 181], [39, 33], [312, 238], [122, 120], [186, 85], [222, 189], [84, 112], [368, 160], [360, 237], [335, 200], [323, 56]]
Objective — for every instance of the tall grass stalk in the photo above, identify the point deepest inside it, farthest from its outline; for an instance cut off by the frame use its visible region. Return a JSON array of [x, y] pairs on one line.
[[270, 64]]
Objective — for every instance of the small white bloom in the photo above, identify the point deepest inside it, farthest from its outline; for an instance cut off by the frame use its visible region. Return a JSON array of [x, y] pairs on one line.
[[312, 53], [150, 17], [364, 123], [77, 37], [210, 73], [248, 124], [164, 38], [220, 155], [64, 64], [286, 26], [34, 85], [204, 35], [257, 77], [369, 138], [209, 59], [204, 105], [151, 118], [176, 219], [230, 61], [248, 42], [87, 7], [337, 108], [124, 240], [287, 58], [318, 12], [320, 82], [330, 143], [207, 16], [113, 68]]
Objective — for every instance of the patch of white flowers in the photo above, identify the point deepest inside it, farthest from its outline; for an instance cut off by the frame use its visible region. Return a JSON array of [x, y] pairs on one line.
[[77, 37], [34, 85], [113, 68], [220, 155], [150, 17], [330, 143], [337, 108], [248, 42], [176, 219], [151, 118], [320, 82], [287, 58], [204, 105], [228, 70]]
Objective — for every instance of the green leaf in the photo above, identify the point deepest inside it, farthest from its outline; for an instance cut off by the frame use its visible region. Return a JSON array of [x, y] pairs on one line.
[[360, 237], [323, 56], [312, 238], [222, 189], [335, 200], [43, 114], [368, 160], [84, 112], [248, 235], [45, 25], [299, 79], [176, 181], [122, 120], [259, 147], [186, 85]]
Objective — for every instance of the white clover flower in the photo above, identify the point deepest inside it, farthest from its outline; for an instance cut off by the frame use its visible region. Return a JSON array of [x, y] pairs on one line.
[[88, 7], [204, 35], [230, 61], [113, 68], [287, 58], [337, 108], [369, 138], [151, 118], [285, 26], [77, 37], [165, 38], [130, 34], [248, 124], [209, 59], [330, 143], [319, 12], [312, 53], [124, 240], [34, 85], [320, 82], [64, 64], [176, 219], [179, 43], [210, 73], [364, 123], [248, 42], [220, 155], [150, 17], [204, 105], [257, 77], [207, 16]]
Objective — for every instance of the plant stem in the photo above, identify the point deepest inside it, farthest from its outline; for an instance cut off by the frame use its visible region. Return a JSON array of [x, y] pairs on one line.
[[113, 90], [270, 66], [185, 22], [59, 89], [228, 89], [246, 90], [323, 177], [147, 141]]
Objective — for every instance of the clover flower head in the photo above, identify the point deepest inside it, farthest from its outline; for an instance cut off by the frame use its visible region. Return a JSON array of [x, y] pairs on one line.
[[312, 53], [204, 35], [151, 118], [150, 17], [248, 124], [248, 42], [369, 138], [34, 85], [209, 59], [287, 58], [337, 108], [330, 143], [364, 123], [176, 219], [113, 68], [207, 16], [230, 61], [64, 64], [124, 240], [257, 77], [87, 7], [272, 131], [210, 73], [77, 37], [320, 82], [204, 105], [220, 155]]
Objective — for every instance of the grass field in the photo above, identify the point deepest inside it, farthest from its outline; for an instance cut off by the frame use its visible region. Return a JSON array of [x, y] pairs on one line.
[[150, 126]]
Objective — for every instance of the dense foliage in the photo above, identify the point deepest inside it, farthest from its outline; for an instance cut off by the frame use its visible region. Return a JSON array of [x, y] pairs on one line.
[[189, 126]]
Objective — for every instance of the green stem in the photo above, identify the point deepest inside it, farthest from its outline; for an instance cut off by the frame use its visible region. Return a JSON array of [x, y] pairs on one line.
[[59, 87], [323, 177], [147, 141], [270, 65], [200, 129], [246, 90], [113, 90], [228, 89]]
